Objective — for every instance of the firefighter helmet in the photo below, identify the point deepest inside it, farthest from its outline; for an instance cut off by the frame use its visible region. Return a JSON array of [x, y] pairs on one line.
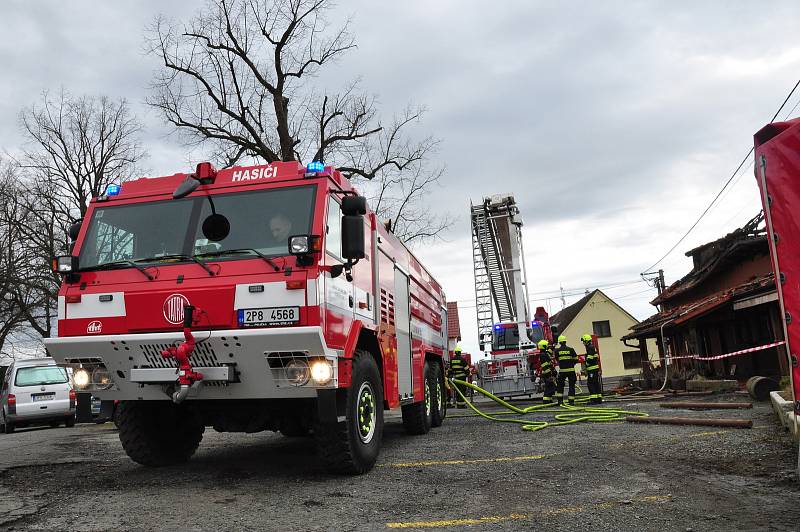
[[543, 343], [457, 350], [586, 338], [562, 339]]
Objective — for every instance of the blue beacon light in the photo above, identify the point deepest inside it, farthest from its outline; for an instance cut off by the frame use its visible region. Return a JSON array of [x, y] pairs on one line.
[[315, 166], [113, 190]]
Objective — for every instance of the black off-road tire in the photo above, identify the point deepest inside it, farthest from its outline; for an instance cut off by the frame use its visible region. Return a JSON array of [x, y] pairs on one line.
[[69, 422], [418, 417], [439, 396], [157, 434], [5, 427], [344, 447]]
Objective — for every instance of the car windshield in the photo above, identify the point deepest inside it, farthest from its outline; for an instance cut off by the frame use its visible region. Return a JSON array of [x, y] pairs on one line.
[[39, 375], [262, 220]]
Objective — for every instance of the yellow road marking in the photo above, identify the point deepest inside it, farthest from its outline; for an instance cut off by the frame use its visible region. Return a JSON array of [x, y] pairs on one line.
[[709, 433], [518, 517], [459, 522], [465, 461]]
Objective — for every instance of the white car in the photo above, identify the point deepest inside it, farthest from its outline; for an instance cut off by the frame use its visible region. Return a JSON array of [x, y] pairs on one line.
[[36, 392]]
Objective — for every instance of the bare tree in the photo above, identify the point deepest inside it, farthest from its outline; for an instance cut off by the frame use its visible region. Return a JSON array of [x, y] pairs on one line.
[[11, 315], [76, 147], [238, 77]]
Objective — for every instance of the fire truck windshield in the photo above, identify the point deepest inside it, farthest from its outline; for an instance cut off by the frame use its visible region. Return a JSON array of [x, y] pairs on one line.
[[508, 337], [160, 231]]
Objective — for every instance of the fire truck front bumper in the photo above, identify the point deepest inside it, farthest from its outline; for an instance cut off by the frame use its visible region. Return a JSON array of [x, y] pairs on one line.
[[292, 362]]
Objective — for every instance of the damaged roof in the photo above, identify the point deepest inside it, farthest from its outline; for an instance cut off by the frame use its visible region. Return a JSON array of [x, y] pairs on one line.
[[683, 313], [711, 257]]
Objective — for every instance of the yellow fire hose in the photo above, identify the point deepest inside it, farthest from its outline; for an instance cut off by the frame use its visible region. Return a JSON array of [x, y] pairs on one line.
[[563, 414]]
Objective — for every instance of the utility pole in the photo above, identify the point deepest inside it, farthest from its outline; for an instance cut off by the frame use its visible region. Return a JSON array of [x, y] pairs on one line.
[[563, 301], [660, 285]]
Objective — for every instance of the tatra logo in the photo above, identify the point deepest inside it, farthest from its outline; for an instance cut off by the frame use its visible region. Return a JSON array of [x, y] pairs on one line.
[[259, 172], [173, 308], [94, 327]]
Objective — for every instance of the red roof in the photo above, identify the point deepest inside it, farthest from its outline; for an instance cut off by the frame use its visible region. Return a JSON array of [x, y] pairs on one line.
[[453, 325]]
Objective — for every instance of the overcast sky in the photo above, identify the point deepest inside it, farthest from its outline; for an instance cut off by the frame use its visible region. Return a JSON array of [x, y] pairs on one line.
[[613, 123]]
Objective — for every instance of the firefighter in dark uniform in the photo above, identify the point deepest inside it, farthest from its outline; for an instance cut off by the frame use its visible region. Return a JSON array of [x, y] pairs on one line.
[[567, 358], [592, 370], [546, 371], [458, 370]]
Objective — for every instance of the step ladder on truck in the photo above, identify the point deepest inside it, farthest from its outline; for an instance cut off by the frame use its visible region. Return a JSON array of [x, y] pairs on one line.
[[255, 298], [505, 327]]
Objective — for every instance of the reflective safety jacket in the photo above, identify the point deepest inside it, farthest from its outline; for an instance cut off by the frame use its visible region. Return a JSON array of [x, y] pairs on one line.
[[458, 369], [545, 362], [592, 359], [567, 358]]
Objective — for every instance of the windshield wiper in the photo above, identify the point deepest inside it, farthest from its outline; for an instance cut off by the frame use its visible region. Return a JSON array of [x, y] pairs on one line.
[[239, 252], [181, 257], [115, 264]]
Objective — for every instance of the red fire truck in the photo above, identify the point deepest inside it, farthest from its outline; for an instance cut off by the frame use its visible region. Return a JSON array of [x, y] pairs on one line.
[[249, 299]]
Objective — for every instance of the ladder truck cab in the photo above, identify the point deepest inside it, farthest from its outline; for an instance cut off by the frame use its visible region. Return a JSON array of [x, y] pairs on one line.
[[501, 292], [505, 336], [247, 299]]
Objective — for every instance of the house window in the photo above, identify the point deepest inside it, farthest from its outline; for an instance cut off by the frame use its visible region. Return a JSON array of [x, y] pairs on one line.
[[631, 359], [602, 328]]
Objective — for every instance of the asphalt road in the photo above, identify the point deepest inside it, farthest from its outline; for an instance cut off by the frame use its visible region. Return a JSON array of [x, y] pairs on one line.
[[470, 473]]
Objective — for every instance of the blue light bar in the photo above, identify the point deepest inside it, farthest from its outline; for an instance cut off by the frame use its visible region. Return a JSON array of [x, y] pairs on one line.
[[315, 166], [113, 190], [497, 327]]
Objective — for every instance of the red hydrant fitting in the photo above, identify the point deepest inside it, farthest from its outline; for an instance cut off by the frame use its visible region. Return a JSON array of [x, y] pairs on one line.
[[187, 377]]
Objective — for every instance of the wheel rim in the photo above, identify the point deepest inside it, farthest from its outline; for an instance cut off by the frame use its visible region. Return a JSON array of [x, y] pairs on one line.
[[427, 398], [439, 397], [366, 413]]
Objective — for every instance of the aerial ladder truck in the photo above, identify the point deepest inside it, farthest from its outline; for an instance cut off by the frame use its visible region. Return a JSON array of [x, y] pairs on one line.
[[505, 327]]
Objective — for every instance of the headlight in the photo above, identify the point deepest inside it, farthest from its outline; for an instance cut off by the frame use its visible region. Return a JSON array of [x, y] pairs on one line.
[[296, 372], [298, 245], [81, 378], [321, 372], [101, 378]]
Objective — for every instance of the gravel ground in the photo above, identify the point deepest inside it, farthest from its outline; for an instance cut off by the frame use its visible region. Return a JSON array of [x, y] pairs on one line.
[[611, 476]]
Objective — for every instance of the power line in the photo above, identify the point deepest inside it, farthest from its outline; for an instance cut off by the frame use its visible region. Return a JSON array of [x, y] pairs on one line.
[[570, 291], [749, 152]]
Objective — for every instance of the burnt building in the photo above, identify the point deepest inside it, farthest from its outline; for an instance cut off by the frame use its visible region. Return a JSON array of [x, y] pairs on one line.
[[726, 303]]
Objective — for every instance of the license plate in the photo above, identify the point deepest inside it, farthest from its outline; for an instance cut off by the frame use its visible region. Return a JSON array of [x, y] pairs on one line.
[[43, 397], [260, 317]]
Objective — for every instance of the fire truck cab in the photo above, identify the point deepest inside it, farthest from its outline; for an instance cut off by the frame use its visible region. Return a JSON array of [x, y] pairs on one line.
[[247, 299]]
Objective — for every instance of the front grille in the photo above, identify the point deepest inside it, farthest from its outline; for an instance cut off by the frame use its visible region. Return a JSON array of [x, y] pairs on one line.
[[203, 356]]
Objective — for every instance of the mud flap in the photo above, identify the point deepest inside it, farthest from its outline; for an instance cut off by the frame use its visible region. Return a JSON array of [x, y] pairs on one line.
[[331, 405]]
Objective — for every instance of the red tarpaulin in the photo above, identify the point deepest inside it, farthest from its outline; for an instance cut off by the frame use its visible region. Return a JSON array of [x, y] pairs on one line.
[[777, 170]]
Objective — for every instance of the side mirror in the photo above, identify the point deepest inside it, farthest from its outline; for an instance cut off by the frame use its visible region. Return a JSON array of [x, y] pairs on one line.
[[354, 205], [74, 230], [65, 264], [216, 227], [188, 186], [353, 237]]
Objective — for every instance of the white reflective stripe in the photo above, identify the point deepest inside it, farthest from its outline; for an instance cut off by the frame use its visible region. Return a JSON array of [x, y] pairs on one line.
[[91, 306], [274, 295], [62, 309], [311, 292], [426, 333]]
